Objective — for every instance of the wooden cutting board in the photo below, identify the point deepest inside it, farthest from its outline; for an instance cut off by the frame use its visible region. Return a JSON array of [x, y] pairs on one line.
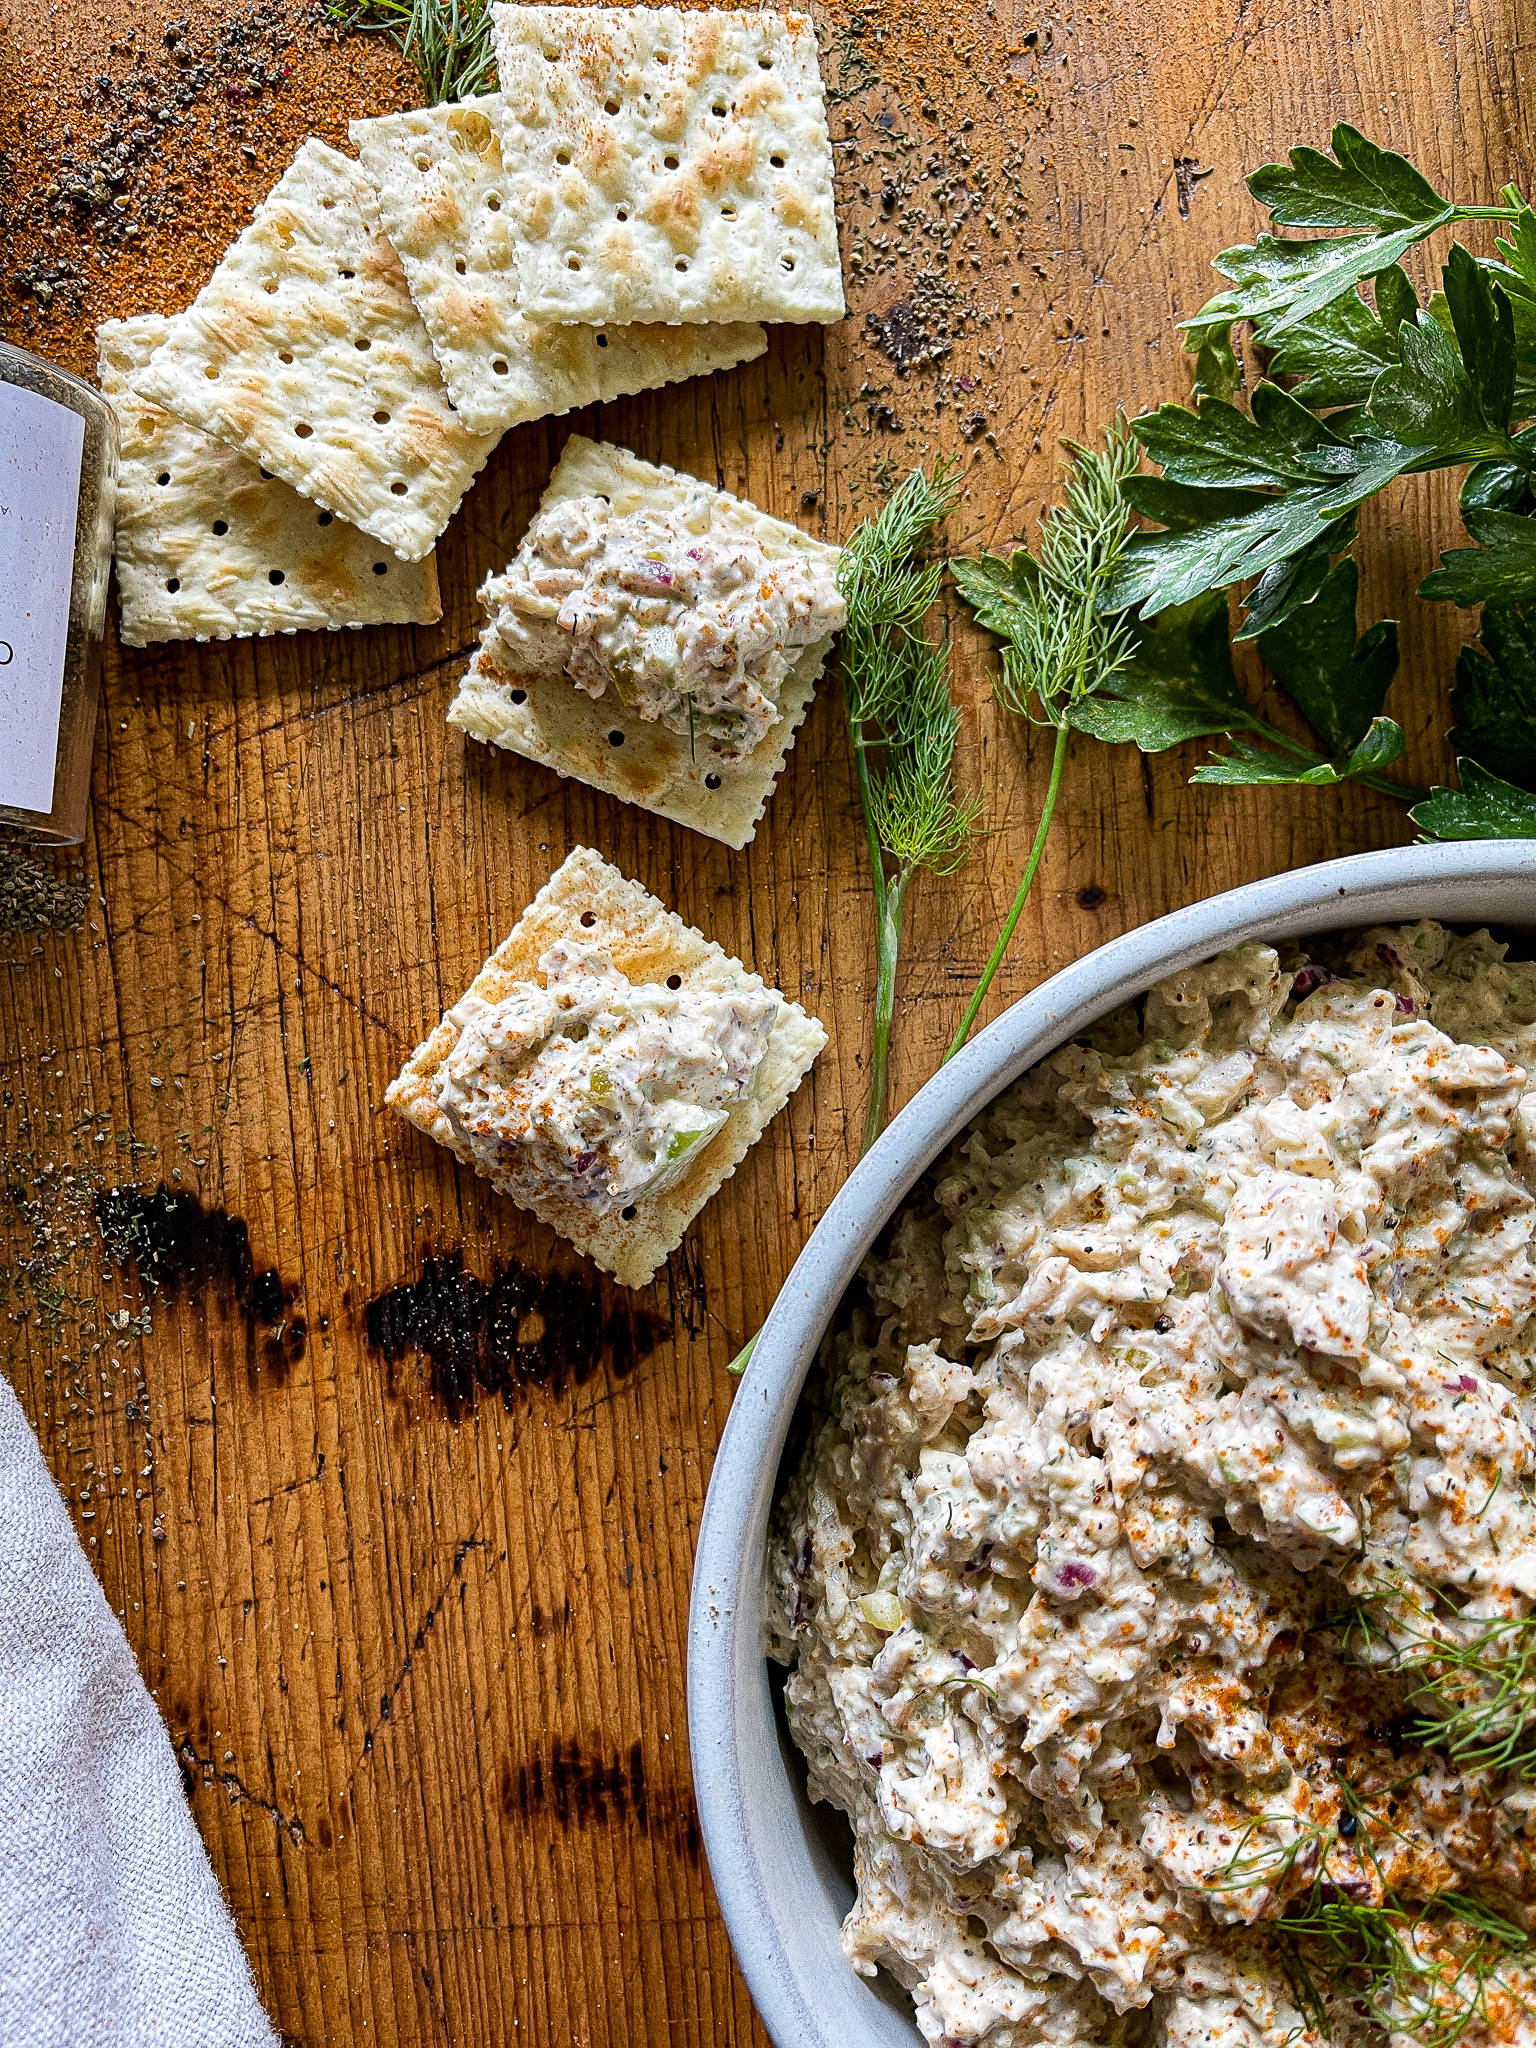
[[396, 1499]]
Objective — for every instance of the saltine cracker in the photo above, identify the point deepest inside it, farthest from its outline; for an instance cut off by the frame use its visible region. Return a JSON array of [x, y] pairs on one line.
[[305, 352], [665, 165], [587, 900], [606, 744], [441, 191], [209, 547]]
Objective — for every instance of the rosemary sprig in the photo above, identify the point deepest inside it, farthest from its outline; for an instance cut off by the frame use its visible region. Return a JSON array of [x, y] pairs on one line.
[[902, 724], [448, 41], [1058, 644]]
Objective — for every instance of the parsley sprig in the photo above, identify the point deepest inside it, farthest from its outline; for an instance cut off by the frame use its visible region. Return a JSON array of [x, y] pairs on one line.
[[1376, 204], [1356, 383], [1180, 685]]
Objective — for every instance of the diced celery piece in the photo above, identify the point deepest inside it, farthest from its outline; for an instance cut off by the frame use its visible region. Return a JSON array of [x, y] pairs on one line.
[[882, 1611], [693, 1131]]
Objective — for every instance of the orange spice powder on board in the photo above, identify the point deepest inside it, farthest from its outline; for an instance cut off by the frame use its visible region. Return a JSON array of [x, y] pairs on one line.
[[136, 143]]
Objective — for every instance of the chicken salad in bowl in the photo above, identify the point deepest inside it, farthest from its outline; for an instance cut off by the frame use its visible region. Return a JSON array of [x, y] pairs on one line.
[[1155, 1572]]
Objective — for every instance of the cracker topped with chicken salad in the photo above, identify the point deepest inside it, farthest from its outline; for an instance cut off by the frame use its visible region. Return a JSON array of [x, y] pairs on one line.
[[608, 1068], [656, 638]]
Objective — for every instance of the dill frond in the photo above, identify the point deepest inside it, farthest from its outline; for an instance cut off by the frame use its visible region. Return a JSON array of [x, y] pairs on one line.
[[1428, 1973], [1475, 1682], [1308, 1996], [889, 593], [1059, 645], [448, 41], [1273, 1868], [1063, 646], [1485, 1690], [924, 823], [902, 723]]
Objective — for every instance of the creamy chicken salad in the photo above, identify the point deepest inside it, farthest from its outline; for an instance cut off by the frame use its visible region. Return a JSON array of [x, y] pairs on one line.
[[591, 1085], [1158, 1577], [688, 624]]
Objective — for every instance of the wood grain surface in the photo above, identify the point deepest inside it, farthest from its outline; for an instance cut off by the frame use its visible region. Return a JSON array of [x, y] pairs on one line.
[[420, 1644]]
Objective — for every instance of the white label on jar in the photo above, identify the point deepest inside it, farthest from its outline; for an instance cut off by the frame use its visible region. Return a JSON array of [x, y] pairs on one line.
[[41, 444]]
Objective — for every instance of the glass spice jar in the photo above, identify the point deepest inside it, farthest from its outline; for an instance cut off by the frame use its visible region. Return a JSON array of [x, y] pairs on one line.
[[58, 496]]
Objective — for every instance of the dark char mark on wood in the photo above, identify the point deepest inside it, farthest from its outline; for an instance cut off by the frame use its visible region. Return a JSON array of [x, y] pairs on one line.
[[519, 1329], [597, 1788], [189, 1249]]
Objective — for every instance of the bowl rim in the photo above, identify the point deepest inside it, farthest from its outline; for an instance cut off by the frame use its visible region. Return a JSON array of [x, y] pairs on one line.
[[746, 1804]]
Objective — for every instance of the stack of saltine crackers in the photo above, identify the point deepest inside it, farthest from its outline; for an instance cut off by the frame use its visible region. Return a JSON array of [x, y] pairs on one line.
[[646, 188]]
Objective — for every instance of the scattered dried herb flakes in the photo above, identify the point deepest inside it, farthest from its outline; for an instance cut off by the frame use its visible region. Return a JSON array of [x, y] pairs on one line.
[[140, 146], [936, 219], [41, 891], [93, 1401], [53, 1174]]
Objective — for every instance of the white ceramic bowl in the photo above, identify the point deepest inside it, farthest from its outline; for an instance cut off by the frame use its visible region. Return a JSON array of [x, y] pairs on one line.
[[780, 1872]]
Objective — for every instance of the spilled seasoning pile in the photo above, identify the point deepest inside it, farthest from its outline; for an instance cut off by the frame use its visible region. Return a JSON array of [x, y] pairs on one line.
[[41, 891], [145, 143]]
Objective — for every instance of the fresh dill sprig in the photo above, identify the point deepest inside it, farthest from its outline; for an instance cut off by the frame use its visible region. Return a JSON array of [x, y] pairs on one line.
[[1487, 1690], [1058, 644], [1423, 1969], [1479, 1690], [448, 41], [1428, 1972], [1247, 1869], [903, 724]]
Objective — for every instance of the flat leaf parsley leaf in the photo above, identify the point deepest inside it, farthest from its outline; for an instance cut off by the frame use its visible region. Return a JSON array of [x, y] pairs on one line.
[[1248, 764], [1179, 684], [1336, 354], [1428, 401], [1361, 186], [1501, 569], [1377, 196], [1336, 682], [1298, 477], [1495, 696], [1485, 807]]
